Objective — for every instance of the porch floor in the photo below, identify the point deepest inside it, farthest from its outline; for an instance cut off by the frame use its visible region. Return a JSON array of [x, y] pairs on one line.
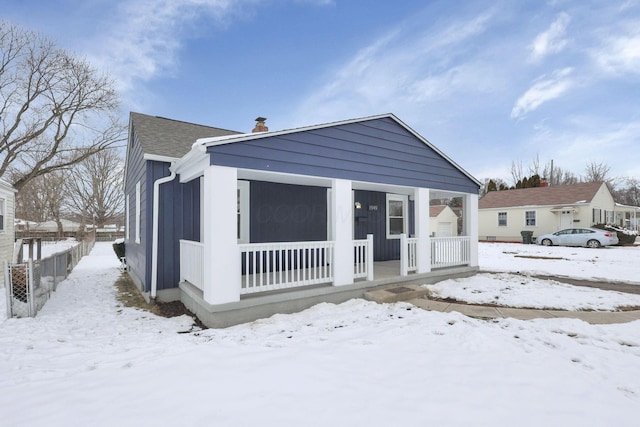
[[384, 272], [386, 269]]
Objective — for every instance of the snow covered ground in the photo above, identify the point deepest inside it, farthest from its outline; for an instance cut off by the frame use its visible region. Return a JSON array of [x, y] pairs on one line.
[[86, 361]]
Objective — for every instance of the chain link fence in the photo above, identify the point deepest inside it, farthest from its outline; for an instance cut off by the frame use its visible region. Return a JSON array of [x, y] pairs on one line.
[[29, 285]]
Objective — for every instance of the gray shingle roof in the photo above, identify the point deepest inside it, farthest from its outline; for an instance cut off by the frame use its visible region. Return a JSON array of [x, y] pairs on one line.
[[170, 138], [541, 196]]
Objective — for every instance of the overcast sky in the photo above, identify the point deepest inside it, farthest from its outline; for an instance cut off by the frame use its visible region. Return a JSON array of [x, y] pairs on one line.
[[487, 82]]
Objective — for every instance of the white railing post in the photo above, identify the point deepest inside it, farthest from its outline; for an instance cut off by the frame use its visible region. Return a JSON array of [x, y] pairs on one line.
[[369, 257], [404, 255], [31, 298]]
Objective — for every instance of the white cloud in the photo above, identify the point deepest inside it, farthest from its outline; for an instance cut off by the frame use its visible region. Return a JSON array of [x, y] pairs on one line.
[[552, 40], [404, 67], [543, 90], [619, 55], [144, 37], [462, 79]]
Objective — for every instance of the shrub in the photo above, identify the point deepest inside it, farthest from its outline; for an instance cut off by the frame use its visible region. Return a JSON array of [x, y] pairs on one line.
[[625, 237], [118, 248]]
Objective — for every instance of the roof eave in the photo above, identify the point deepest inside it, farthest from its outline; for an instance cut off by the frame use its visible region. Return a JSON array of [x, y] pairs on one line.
[[192, 164]]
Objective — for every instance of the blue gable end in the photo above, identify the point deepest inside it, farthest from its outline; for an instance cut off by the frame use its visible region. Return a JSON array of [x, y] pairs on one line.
[[377, 150]]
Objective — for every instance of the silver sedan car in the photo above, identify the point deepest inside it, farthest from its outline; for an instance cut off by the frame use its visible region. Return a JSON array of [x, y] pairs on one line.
[[588, 237]]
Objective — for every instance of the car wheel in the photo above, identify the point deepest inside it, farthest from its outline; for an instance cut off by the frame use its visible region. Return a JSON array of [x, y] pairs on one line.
[[547, 242], [593, 244]]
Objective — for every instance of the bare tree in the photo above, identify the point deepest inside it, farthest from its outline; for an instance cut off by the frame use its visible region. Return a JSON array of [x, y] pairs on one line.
[[516, 172], [95, 188], [597, 172], [628, 192], [534, 167], [555, 175], [55, 109], [43, 198], [31, 201]]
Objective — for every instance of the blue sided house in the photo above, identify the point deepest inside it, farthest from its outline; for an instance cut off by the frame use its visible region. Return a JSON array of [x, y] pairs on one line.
[[240, 226]]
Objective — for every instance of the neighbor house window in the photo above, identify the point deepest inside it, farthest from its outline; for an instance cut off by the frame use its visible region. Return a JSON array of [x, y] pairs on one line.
[[597, 216], [609, 217], [502, 219], [530, 218], [396, 215], [2, 213], [138, 212]]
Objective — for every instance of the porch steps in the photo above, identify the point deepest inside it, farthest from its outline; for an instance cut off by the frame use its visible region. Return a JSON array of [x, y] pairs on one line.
[[395, 293]]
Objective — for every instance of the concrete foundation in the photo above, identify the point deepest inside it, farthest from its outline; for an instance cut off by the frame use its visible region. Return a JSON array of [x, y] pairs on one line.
[[253, 307]]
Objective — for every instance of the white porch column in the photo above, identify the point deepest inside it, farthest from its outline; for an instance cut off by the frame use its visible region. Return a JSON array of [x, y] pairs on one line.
[[471, 226], [421, 203], [222, 266], [342, 231]]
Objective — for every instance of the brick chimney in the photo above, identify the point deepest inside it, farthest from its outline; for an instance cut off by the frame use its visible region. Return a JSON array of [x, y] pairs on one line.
[[260, 126], [544, 183]]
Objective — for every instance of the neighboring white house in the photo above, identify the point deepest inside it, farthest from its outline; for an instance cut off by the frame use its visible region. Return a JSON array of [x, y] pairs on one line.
[[7, 214], [444, 221], [503, 215], [52, 226]]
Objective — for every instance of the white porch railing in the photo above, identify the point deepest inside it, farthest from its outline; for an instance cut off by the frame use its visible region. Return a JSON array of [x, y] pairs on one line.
[[408, 254], [363, 257], [192, 263], [450, 251], [271, 266]]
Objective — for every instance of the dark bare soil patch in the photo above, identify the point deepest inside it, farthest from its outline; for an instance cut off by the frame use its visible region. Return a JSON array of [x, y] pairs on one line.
[[129, 296], [540, 257]]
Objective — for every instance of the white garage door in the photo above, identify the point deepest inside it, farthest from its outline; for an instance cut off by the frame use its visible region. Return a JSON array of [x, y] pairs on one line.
[[444, 229]]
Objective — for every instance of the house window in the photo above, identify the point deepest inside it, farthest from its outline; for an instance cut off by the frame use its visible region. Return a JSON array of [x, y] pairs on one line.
[[530, 218], [126, 217], [138, 212], [609, 217], [243, 212], [396, 215], [502, 219], [597, 216], [2, 213]]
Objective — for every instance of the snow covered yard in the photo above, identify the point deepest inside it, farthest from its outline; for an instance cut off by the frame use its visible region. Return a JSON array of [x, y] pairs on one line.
[[611, 263], [87, 361]]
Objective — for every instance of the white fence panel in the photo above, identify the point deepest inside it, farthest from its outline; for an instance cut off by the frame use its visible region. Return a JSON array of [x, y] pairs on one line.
[[363, 257], [408, 254], [450, 251], [192, 263], [282, 265]]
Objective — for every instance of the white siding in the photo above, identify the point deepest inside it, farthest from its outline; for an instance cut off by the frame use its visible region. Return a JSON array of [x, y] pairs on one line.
[[7, 235]]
